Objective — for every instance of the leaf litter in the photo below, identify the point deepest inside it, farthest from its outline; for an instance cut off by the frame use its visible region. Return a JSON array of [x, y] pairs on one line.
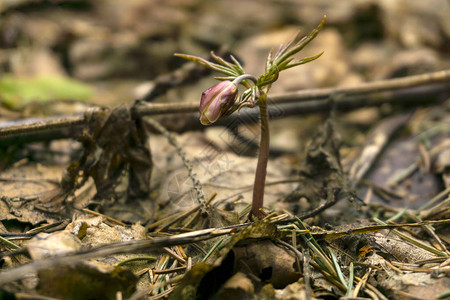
[[123, 220]]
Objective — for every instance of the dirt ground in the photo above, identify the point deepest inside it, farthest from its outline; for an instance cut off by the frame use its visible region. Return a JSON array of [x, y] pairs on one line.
[[110, 188]]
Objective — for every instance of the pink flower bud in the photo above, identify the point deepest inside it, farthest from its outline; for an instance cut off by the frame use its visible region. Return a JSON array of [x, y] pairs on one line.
[[216, 101]]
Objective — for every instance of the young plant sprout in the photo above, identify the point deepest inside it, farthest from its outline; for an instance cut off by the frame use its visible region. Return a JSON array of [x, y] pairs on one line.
[[221, 99]]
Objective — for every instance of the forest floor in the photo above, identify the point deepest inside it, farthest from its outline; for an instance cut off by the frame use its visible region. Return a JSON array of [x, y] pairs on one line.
[[98, 198]]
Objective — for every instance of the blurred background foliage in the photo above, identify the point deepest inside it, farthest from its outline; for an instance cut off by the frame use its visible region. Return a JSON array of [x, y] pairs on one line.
[[118, 47]]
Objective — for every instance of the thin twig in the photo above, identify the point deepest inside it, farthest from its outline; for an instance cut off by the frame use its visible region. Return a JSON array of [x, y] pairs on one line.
[[372, 93], [187, 163], [32, 125], [367, 88], [313, 95], [307, 274], [112, 220], [429, 229], [435, 199], [8, 243], [174, 255], [414, 241], [180, 239], [138, 258]]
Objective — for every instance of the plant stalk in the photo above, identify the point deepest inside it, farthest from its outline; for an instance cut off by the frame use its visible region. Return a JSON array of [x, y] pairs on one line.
[[261, 168]]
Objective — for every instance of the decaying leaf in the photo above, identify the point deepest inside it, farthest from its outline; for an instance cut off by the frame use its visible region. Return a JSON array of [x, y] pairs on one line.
[[47, 245], [399, 249], [421, 285], [321, 176], [114, 143], [83, 280], [87, 280], [26, 198], [250, 253]]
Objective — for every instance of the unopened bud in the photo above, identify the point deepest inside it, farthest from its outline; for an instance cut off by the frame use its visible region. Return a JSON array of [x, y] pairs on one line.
[[216, 101]]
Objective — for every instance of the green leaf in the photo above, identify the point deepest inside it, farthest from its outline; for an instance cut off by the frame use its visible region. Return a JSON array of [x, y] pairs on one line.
[[216, 67], [268, 78], [303, 61], [221, 61], [238, 65], [337, 268], [15, 92], [350, 282], [222, 78], [298, 44], [284, 65]]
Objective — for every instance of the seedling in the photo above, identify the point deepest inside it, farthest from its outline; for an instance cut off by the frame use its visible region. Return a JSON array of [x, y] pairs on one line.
[[223, 98]]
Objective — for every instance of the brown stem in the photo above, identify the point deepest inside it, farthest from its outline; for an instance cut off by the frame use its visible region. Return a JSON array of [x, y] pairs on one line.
[[261, 168]]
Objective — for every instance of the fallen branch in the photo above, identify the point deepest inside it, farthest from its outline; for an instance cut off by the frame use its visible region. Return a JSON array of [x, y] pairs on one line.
[[417, 88]]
